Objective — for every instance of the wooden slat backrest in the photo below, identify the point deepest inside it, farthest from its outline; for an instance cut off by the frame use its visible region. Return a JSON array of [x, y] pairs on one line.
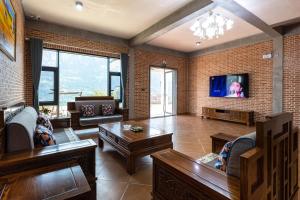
[[91, 98], [85, 98], [270, 171]]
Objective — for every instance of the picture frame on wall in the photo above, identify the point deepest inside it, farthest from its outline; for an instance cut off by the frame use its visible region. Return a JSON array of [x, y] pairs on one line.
[[8, 29]]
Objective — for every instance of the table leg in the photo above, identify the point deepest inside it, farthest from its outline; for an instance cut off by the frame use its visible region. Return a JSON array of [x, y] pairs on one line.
[[130, 165], [100, 142]]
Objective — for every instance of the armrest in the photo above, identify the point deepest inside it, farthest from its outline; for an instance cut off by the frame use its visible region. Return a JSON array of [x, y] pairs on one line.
[[73, 112], [75, 119], [124, 112], [253, 177], [83, 151], [219, 140]]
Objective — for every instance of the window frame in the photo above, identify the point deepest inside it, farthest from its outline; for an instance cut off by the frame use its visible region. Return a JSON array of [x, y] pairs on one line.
[[56, 77], [110, 74], [55, 70]]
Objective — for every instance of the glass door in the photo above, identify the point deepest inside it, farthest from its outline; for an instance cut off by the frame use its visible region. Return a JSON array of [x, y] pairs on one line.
[[163, 92]]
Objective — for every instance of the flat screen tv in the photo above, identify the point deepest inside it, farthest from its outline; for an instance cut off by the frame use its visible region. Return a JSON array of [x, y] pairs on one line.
[[233, 86]]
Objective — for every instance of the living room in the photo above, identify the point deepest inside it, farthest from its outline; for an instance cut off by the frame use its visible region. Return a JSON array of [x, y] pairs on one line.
[[157, 68]]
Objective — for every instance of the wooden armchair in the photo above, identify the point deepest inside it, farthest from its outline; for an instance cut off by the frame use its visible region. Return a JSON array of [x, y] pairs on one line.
[[268, 171], [78, 123]]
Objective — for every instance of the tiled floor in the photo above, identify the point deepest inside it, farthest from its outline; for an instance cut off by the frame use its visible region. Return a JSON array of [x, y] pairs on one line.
[[191, 137]]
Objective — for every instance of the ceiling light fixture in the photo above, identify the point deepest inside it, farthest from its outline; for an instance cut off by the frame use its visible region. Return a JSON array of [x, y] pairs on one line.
[[79, 5], [211, 27]]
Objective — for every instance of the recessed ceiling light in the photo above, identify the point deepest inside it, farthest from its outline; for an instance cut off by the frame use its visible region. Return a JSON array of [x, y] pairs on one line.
[[79, 5], [198, 43]]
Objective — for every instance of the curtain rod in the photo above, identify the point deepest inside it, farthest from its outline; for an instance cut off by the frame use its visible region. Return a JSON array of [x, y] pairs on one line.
[[70, 46]]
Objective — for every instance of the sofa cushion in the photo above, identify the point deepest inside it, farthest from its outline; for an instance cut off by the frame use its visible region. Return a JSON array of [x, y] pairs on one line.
[[100, 119], [222, 160], [43, 136], [45, 121], [88, 110], [65, 135], [20, 130], [96, 103], [107, 109], [239, 146]]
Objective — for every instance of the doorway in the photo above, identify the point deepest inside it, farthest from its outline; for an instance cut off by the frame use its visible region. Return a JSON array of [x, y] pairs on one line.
[[163, 91]]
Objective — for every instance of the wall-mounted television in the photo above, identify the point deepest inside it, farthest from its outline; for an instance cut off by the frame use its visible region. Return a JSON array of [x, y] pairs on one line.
[[233, 86]]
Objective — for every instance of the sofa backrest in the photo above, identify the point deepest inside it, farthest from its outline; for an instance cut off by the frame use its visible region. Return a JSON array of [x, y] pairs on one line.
[[239, 146], [96, 103], [20, 130]]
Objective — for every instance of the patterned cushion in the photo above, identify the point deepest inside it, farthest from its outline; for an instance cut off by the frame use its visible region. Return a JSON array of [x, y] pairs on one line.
[[88, 110], [45, 121], [223, 157], [43, 136], [107, 109]]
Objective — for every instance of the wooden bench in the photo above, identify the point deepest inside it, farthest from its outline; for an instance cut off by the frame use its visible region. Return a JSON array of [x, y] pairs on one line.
[[268, 171]]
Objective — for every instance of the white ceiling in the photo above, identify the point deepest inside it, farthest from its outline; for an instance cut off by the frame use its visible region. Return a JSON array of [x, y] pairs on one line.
[[272, 11], [127, 18], [182, 38], [120, 18]]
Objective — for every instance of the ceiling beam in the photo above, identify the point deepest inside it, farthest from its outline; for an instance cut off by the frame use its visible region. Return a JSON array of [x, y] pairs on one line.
[[179, 17], [247, 16]]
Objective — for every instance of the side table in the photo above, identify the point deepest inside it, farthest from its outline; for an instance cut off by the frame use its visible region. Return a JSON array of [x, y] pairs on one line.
[[61, 122]]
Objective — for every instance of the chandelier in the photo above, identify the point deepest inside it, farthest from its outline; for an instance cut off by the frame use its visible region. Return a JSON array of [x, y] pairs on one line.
[[211, 27]]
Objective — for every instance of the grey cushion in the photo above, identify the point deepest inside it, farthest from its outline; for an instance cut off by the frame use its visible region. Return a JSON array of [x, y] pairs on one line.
[[239, 146], [96, 103], [65, 135], [20, 130], [85, 121]]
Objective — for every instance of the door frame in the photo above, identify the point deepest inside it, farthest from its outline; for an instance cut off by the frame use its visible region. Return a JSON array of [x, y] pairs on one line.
[[149, 88]]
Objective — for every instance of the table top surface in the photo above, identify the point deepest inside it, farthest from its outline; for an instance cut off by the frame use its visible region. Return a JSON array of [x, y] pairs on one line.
[[54, 182], [118, 129]]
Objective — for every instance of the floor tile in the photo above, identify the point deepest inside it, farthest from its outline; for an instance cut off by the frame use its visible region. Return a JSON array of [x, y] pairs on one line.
[[137, 192], [110, 190]]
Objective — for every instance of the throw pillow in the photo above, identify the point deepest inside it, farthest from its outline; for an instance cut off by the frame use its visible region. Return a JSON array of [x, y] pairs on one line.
[[107, 109], [223, 157], [45, 121], [43, 136], [88, 110]]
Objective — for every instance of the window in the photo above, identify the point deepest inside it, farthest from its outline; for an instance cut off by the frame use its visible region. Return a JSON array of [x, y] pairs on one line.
[[66, 75]]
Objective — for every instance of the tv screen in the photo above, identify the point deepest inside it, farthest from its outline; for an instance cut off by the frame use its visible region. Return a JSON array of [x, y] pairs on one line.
[[235, 85]]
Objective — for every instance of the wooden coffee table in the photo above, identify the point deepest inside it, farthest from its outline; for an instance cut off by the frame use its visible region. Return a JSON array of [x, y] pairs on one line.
[[134, 144]]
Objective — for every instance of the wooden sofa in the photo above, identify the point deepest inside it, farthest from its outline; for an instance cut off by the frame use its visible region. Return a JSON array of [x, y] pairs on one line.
[[79, 122], [269, 171], [66, 154]]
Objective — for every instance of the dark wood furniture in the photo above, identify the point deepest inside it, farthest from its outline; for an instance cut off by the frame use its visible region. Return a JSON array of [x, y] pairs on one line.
[[75, 114], [132, 145], [64, 121], [268, 171], [219, 140], [239, 116], [81, 152], [62, 182]]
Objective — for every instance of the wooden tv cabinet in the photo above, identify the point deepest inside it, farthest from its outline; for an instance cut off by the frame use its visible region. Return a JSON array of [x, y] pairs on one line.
[[239, 116]]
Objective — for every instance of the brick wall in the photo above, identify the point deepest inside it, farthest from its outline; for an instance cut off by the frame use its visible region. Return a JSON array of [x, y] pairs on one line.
[[247, 59], [143, 60], [12, 72], [291, 76]]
